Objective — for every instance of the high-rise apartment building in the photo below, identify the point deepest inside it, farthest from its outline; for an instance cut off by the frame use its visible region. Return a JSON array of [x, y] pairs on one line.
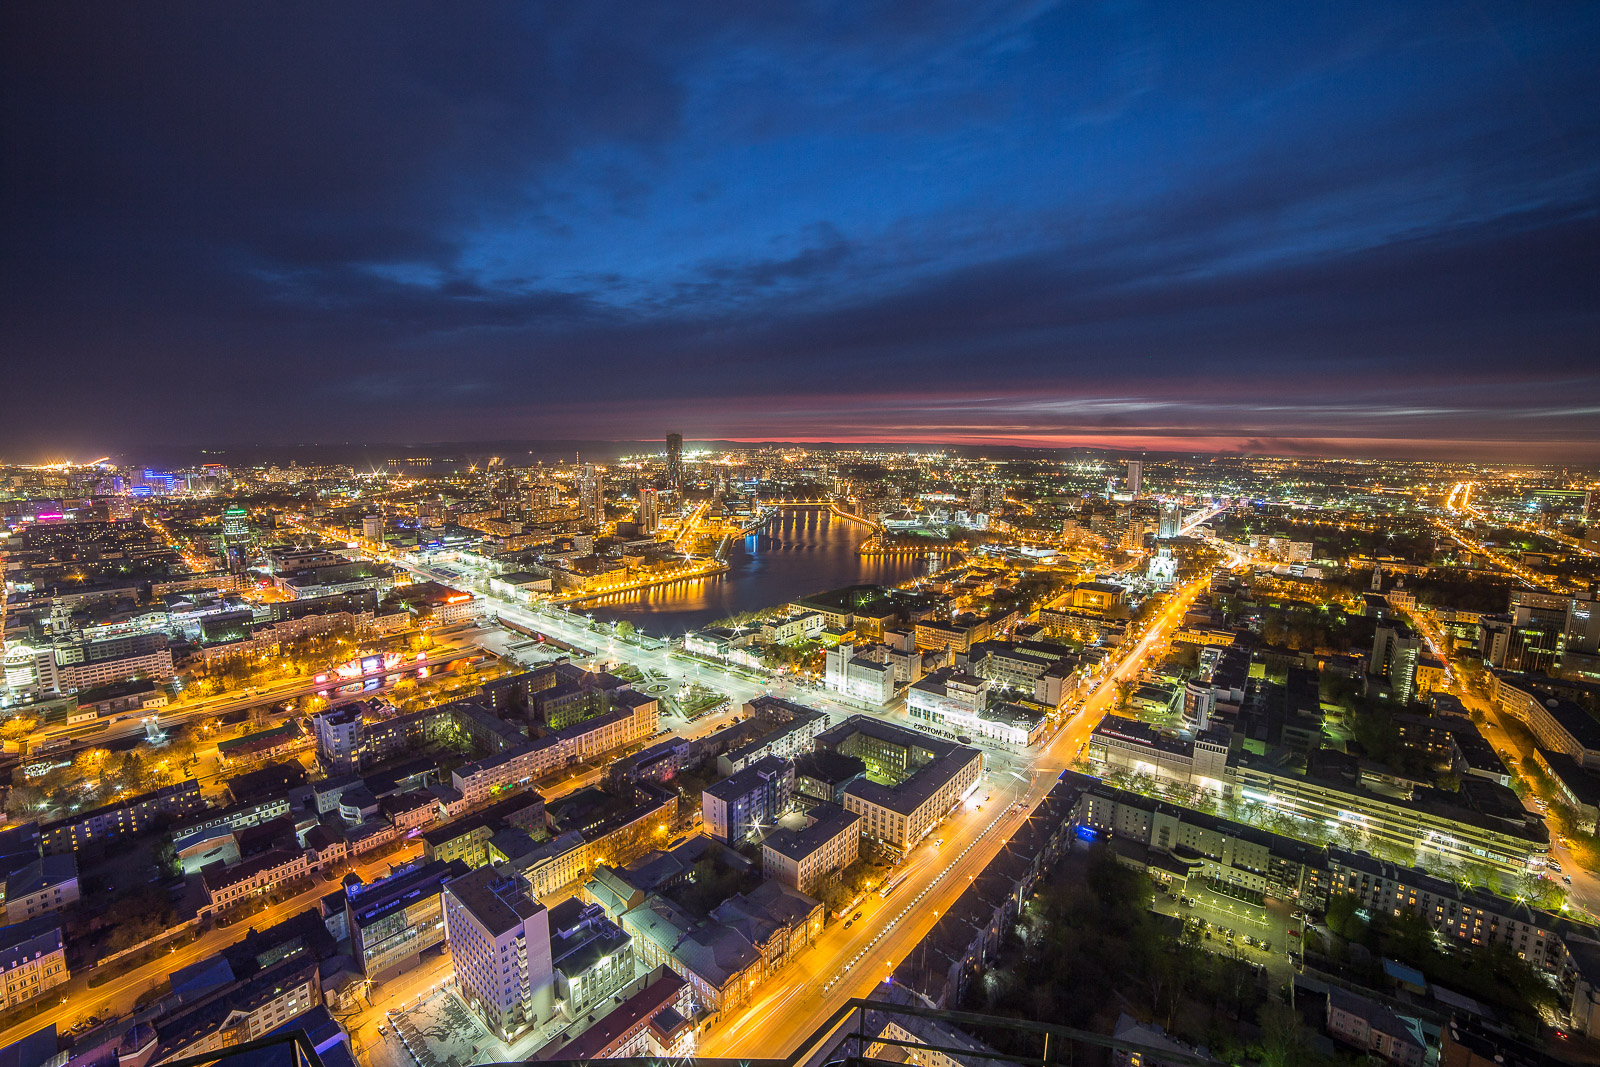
[[500, 951], [1135, 477], [649, 509], [674, 461], [543, 495], [1395, 651]]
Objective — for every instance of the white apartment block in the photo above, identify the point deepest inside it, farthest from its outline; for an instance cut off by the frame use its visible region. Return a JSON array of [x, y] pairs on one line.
[[519, 766], [46, 884], [156, 664]]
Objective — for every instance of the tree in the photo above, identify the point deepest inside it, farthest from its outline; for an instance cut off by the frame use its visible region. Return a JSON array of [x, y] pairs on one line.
[[1283, 1036], [625, 629], [23, 800], [1342, 918], [183, 747], [89, 765], [17, 727]]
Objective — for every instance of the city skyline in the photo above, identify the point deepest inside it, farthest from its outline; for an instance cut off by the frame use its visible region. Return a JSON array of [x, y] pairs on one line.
[[1356, 231], [946, 532]]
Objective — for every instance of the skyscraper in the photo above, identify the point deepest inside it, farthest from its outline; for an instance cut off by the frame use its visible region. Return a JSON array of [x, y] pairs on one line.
[[591, 500], [1135, 476], [1171, 521], [235, 525], [674, 461], [649, 509]]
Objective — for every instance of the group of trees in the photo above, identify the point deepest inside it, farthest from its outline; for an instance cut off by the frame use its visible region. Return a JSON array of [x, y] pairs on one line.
[[1306, 628], [1493, 973], [860, 877], [806, 655], [712, 881], [459, 679], [310, 654], [1098, 933], [96, 776]]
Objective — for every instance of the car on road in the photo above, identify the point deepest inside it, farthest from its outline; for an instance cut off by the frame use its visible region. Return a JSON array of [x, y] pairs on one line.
[[856, 916]]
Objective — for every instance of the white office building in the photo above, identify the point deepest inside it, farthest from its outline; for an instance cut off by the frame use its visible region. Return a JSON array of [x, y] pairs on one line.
[[500, 950], [859, 678]]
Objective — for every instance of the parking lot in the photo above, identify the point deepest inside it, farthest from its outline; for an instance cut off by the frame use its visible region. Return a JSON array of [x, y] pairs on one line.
[[1216, 914]]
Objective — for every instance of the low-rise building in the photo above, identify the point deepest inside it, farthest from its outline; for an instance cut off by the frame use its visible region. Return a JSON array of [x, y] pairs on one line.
[[958, 704], [1468, 916], [1374, 1028], [239, 1011], [1139, 748], [913, 779], [592, 956], [33, 960], [653, 1023], [800, 626], [124, 817], [856, 677], [805, 859], [719, 963], [262, 746], [736, 808], [42, 885], [785, 729], [393, 920], [1483, 823], [227, 887], [1197, 845], [1558, 724]]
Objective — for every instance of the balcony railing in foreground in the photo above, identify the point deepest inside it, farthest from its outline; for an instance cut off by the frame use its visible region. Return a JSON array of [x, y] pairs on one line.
[[862, 1033]]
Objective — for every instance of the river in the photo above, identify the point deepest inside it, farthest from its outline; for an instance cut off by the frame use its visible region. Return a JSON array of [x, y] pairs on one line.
[[798, 551]]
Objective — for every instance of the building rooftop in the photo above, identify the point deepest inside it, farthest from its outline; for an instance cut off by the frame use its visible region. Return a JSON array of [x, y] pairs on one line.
[[23, 941], [830, 821], [495, 900], [663, 989], [405, 887], [753, 777]]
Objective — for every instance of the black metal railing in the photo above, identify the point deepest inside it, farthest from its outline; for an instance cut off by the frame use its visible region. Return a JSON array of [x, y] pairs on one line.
[[861, 1033], [292, 1049]]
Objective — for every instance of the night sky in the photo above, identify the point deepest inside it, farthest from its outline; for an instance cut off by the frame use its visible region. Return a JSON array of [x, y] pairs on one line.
[[1366, 229]]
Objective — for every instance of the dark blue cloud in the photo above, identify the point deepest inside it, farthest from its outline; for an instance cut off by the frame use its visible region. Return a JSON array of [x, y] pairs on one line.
[[1369, 224]]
